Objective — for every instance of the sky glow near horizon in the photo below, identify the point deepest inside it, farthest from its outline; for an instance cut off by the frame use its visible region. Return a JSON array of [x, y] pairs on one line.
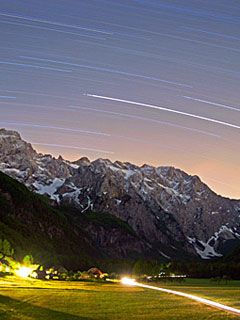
[[97, 78]]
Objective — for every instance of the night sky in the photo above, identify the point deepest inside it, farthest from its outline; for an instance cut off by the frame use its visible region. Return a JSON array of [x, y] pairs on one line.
[[140, 81]]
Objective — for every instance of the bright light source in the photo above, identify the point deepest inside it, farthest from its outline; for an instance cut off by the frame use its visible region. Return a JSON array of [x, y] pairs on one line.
[[24, 272], [128, 281], [7, 269]]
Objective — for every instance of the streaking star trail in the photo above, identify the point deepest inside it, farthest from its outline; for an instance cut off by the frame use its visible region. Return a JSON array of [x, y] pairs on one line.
[[213, 103], [164, 109]]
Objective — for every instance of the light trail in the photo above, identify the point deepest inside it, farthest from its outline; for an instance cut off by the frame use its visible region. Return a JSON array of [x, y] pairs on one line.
[[7, 97], [108, 70], [212, 103], [31, 19], [51, 29], [132, 282], [32, 93], [71, 147], [191, 115], [32, 125], [130, 116], [33, 66], [212, 33]]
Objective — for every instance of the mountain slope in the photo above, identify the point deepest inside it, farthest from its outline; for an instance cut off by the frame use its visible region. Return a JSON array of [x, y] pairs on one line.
[[51, 235], [32, 226], [169, 210]]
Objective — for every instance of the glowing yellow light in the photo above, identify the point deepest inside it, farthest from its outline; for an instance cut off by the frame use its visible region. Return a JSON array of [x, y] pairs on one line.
[[34, 275], [24, 272], [128, 281], [7, 269]]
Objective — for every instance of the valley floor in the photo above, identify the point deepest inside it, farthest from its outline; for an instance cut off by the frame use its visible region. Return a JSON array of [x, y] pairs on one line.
[[28, 299]]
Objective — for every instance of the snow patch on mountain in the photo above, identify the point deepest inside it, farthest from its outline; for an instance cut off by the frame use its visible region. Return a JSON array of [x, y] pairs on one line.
[[12, 171], [206, 249], [72, 196], [208, 252], [49, 189], [203, 249], [126, 172]]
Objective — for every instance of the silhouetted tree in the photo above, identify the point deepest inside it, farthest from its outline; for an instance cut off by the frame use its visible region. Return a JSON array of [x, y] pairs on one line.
[[6, 249]]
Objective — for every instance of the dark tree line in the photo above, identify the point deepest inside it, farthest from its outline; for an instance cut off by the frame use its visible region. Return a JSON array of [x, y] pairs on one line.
[[214, 269]]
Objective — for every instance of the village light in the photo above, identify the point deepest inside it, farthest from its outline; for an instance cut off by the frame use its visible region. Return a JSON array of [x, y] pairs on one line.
[[7, 269], [128, 281], [24, 272]]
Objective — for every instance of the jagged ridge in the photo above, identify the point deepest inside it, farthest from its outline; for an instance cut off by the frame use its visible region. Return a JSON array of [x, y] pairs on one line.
[[165, 207]]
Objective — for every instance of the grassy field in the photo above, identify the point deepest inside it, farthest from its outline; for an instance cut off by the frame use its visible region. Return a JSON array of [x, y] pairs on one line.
[[35, 299]]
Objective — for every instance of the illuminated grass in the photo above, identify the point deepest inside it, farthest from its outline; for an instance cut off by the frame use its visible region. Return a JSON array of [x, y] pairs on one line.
[[34, 299]]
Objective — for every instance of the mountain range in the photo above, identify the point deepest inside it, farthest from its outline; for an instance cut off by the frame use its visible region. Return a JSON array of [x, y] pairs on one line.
[[121, 210]]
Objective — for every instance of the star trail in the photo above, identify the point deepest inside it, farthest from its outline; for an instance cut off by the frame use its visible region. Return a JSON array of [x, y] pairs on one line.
[[153, 81]]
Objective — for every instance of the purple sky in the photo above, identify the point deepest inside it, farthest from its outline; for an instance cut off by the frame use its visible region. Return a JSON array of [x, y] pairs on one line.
[[141, 81]]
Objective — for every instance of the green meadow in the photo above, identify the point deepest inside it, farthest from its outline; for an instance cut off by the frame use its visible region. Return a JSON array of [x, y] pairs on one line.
[[28, 299]]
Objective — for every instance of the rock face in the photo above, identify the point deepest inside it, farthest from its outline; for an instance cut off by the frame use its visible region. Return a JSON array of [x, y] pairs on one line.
[[171, 211]]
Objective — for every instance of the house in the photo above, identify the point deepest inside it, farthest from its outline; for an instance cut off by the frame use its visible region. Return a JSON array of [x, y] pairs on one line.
[[96, 273]]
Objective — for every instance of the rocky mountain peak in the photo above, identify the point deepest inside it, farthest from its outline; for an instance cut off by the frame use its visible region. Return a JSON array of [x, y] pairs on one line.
[[82, 161], [9, 133], [15, 152], [168, 208]]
